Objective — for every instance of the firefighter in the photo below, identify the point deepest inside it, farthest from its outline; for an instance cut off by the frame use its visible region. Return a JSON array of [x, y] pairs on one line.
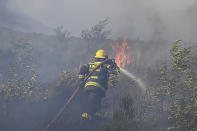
[[97, 83]]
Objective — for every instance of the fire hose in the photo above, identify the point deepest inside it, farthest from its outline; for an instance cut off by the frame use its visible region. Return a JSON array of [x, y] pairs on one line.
[[72, 96]]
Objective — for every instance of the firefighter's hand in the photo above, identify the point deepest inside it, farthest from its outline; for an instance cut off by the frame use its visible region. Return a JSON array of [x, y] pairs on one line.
[[112, 61]]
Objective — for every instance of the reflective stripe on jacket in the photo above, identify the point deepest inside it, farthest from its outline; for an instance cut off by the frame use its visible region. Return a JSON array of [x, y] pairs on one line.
[[99, 78]]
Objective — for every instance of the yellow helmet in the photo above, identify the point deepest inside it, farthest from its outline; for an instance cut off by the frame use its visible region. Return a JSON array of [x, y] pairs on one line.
[[101, 54]]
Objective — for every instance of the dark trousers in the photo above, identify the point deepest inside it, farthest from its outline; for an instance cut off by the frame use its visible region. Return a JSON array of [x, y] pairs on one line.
[[93, 102], [91, 106], [94, 97]]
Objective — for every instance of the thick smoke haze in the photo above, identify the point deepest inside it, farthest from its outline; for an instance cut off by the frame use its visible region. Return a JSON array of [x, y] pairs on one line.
[[39, 62], [14, 19], [149, 20]]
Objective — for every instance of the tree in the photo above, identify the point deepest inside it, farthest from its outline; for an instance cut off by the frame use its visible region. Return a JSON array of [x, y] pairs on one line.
[[61, 33], [96, 32], [22, 82], [178, 85]]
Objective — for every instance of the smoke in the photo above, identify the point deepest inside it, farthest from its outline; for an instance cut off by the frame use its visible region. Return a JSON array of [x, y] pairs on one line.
[[153, 19], [19, 20], [3, 10], [147, 19]]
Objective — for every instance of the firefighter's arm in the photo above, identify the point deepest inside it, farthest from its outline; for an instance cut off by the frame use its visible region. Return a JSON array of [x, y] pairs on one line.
[[114, 74], [83, 72], [114, 69]]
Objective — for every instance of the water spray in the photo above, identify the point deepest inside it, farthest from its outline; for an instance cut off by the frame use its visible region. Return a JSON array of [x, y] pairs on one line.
[[133, 77]]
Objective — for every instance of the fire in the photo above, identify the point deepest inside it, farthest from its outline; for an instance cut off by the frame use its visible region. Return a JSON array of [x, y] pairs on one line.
[[123, 53]]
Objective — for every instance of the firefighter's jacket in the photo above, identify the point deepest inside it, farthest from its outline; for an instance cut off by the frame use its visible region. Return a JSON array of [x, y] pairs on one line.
[[99, 79]]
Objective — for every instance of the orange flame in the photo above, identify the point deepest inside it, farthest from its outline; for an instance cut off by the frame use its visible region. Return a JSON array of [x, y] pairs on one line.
[[123, 53]]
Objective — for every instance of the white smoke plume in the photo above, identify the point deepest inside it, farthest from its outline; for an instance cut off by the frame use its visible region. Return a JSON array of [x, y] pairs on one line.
[[152, 19]]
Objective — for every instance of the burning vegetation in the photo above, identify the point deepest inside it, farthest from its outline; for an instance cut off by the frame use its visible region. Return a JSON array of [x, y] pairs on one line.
[[123, 54]]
